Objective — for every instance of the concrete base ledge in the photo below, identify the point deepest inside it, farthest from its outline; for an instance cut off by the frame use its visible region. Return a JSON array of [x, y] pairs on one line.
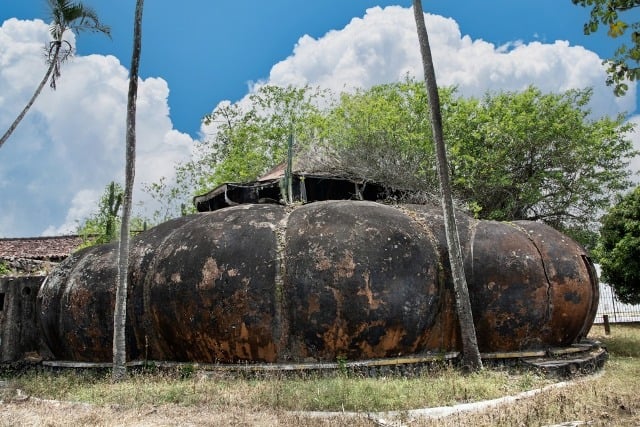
[[584, 358]]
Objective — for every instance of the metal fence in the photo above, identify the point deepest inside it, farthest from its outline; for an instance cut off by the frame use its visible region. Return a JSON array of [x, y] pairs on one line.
[[617, 311]]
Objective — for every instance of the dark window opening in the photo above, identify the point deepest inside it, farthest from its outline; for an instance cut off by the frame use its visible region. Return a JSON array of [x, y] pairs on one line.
[[1, 301], [26, 291]]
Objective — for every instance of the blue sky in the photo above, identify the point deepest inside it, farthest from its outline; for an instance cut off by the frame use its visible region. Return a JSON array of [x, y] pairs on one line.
[[54, 168]]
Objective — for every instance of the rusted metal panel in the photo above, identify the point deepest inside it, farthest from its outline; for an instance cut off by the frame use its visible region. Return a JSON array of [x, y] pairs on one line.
[[311, 283], [211, 288], [574, 290], [141, 257], [361, 282], [509, 289], [76, 305]]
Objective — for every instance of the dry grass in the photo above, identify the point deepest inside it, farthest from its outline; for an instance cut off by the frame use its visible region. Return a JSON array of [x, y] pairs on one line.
[[609, 399], [444, 386]]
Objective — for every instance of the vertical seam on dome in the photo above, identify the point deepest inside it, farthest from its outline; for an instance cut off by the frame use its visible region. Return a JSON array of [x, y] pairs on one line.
[[415, 217], [544, 269], [281, 324]]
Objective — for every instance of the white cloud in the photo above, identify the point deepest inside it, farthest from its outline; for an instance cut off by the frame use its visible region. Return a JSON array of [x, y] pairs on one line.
[[83, 205], [382, 47], [71, 143]]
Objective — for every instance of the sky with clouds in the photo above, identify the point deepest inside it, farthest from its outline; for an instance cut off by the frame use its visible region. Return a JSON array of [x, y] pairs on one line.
[[71, 144]]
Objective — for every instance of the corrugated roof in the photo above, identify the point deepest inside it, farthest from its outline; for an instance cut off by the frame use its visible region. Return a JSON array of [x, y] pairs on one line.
[[54, 248]]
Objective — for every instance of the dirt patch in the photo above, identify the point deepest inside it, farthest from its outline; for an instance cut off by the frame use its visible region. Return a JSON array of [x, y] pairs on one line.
[[25, 411]]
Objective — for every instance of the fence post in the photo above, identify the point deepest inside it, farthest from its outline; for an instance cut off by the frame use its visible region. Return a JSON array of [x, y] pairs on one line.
[[607, 327]]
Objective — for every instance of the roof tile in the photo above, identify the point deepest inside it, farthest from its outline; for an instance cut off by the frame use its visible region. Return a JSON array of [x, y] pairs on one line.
[[53, 248]]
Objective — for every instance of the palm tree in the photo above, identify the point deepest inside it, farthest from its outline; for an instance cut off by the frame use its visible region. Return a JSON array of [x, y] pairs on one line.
[[120, 312], [470, 353], [65, 15]]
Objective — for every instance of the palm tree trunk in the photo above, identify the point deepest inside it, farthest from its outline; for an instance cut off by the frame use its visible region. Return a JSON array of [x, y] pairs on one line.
[[18, 119], [120, 312], [470, 353]]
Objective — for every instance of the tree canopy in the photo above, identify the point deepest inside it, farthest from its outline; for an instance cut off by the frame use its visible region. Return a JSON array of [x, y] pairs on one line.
[[612, 14], [514, 155], [252, 138], [619, 247], [249, 139], [380, 134], [535, 156]]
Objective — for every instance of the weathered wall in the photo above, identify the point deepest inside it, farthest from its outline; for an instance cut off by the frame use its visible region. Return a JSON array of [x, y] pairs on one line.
[[315, 282], [28, 266], [19, 330]]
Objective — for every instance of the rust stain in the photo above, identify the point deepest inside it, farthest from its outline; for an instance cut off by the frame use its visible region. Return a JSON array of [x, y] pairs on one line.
[[244, 332], [243, 350], [336, 338], [323, 263], [81, 298], [313, 304], [373, 303], [391, 339], [346, 266], [268, 352], [210, 272], [443, 335]]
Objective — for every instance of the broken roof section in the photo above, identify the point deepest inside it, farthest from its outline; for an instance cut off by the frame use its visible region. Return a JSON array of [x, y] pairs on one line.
[[306, 187]]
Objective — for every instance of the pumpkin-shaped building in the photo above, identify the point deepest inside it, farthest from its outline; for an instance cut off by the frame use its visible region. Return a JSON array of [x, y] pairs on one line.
[[303, 282]]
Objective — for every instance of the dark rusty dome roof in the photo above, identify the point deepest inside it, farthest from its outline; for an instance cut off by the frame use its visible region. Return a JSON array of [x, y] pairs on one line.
[[352, 279]]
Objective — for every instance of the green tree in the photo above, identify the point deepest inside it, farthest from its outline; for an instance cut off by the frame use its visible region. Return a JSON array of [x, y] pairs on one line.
[[540, 157], [250, 138], [625, 63], [119, 370], [513, 155], [253, 138], [619, 247], [174, 198], [470, 352], [380, 134], [5, 269], [101, 226], [65, 15]]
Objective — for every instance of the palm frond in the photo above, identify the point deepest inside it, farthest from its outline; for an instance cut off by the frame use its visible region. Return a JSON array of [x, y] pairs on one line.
[[75, 16]]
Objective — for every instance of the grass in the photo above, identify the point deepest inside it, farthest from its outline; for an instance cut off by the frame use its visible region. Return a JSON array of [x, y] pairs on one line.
[[444, 386], [607, 399], [611, 399]]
